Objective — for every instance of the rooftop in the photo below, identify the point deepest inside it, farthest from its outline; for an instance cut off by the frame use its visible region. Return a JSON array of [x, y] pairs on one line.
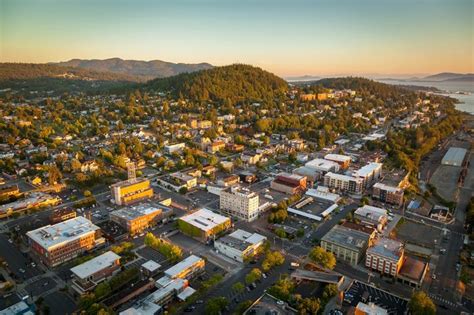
[[242, 191], [346, 237], [368, 169], [358, 227], [387, 247], [371, 212], [413, 268], [388, 188], [371, 309], [204, 219], [94, 265], [151, 265], [52, 235], [454, 156], [321, 164], [337, 157], [342, 177], [129, 182], [175, 270], [241, 239], [131, 213], [324, 195]]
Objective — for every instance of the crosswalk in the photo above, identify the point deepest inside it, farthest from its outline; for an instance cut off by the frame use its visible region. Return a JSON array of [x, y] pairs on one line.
[[441, 300]]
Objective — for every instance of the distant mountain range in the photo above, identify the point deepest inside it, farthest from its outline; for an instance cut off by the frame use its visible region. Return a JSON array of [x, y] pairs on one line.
[[439, 77], [143, 70]]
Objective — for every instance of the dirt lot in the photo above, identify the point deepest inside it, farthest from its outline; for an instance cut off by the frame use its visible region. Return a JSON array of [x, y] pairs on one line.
[[418, 233], [445, 180]]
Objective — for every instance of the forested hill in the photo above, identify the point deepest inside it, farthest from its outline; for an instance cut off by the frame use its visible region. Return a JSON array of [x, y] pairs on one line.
[[28, 71], [145, 70], [362, 85], [235, 82]]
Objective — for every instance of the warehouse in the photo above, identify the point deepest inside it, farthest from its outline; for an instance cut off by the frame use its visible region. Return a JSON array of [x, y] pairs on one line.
[[454, 156]]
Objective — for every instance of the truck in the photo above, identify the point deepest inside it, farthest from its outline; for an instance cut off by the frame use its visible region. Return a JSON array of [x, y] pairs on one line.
[[294, 265]]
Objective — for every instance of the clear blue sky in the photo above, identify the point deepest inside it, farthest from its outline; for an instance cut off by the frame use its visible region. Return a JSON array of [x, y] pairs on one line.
[[286, 37]]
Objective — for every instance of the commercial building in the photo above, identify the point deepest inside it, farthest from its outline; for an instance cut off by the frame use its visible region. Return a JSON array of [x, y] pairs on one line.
[[172, 148], [323, 166], [7, 191], [88, 275], [369, 173], [388, 194], [370, 231], [373, 216], [203, 224], [188, 268], [369, 309], [60, 215], [323, 194], [343, 160], [240, 203], [56, 244], [136, 219], [289, 183], [178, 181], [240, 245], [343, 183], [345, 243], [31, 201], [413, 271], [130, 191], [386, 256], [454, 156]]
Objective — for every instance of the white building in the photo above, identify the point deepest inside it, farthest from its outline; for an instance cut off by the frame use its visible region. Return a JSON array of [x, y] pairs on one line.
[[377, 217], [170, 149], [343, 182], [342, 160], [240, 202], [239, 245], [369, 173], [323, 166]]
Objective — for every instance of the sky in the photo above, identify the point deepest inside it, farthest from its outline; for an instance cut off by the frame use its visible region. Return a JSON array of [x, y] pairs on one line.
[[289, 38]]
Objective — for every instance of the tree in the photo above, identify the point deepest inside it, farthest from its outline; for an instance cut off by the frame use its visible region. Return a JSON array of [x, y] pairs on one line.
[[308, 306], [272, 259], [75, 165], [54, 175], [215, 305], [320, 256], [87, 193], [252, 276], [421, 304], [238, 287]]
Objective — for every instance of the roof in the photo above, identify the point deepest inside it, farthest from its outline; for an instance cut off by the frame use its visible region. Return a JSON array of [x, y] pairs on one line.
[[371, 212], [240, 191], [368, 169], [337, 157], [358, 227], [53, 235], [371, 309], [322, 165], [142, 308], [186, 293], [204, 219], [175, 270], [151, 266], [388, 248], [19, 308], [131, 213], [319, 194], [343, 177], [241, 239], [129, 182], [388, 188], [454, 156], [413, 268], [95, 265], [346, 237]]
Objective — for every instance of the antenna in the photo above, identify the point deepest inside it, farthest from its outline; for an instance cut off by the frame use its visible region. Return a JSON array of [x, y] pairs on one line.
[[131, 170]]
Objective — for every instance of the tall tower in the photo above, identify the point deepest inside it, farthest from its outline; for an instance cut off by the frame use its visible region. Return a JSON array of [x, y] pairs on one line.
[[131, 170]]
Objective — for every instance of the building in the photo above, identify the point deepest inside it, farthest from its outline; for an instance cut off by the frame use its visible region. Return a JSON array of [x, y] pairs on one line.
[[369, 173], [343, 183], [188, 268], [150, 268], [216, 146], [454, 157], [229, 180], [345, 243], [369, 309], [268, 304], [322, 194], [240, 203], [388, 194], [19, 308], [240, 245], [370, 231], [32, 200], [343, 160], [89, 166], [88, 275], [130, 191], [172, 148], [136, 219], [203, 224], [60, 215], [323, 166], [56, 244], [413, 271], [308, 97], [373, 216], [386, 256], [289, 183], [7, 191]]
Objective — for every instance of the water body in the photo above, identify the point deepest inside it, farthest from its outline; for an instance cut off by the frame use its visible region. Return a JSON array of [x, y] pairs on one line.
[[466, 102]]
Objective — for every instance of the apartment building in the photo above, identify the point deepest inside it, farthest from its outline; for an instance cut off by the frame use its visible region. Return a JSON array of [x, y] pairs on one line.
[[373, 216], [323, 166], [130, 191], [369, 173], [388, 194], [386, 256], [343, 183], [56, 244], [88, 275], [136, 219], [188, 268], [240, 203]]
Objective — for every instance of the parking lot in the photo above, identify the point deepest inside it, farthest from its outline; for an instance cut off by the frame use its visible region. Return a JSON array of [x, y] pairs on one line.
[[40, 286], [60, 303], [445, 179], [18, 263], [361, 292], [417, 233]]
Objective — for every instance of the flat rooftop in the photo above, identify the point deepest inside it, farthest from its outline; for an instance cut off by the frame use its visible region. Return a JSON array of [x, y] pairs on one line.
[[371, 212], [151, 266], [131, 213], [322, 164], [342, 177], [454, 156], [387, 247], [323, 195], [337, 157], [52, 235], [204, 219], [345, 237], [368, 169], [388, 188], [95, 265], [182, 265], [129, 182], [413, 268], [241, 239]]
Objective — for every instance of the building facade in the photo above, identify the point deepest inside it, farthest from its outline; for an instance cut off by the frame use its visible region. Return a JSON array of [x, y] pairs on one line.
[[388, 194], [136, 219], [204, 225], [130, 191], [343, 183], [289, 183], [240, 245], [386, 256], [346, 244], [239, 202]]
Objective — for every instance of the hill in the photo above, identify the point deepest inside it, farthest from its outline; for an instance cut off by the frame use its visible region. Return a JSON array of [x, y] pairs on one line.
[[449, 76], [235, 82], [27, 71], [145, 70]]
